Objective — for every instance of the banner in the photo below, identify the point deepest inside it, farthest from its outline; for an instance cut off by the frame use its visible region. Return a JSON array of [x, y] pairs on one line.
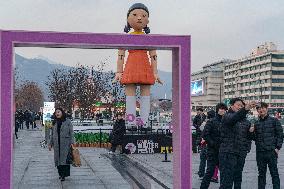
[[48, 110]]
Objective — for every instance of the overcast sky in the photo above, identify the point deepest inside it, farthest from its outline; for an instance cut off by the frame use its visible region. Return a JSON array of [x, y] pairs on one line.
[[219, 28]]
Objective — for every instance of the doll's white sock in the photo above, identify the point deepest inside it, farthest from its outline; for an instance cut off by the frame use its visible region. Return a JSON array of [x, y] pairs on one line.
[[131, 110], [145, 109]]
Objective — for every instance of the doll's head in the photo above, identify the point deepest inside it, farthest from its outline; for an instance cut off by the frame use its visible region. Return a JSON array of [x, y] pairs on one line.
[[137, 18]]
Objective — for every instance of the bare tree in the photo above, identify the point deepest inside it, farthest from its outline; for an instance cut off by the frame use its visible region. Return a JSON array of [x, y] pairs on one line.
[[78, 85], [29, 96], [58, 84], [116, 90]]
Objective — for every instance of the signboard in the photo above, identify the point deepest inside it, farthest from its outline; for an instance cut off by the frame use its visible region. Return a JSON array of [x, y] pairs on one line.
[[48, 110], [147, 144], [197, 88]]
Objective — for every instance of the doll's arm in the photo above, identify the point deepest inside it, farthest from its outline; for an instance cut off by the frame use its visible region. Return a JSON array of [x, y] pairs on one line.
[[153, 56], [120, 62]]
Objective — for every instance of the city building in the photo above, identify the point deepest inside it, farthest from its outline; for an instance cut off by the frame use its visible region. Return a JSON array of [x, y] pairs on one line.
[[207, 85], [259, 76]]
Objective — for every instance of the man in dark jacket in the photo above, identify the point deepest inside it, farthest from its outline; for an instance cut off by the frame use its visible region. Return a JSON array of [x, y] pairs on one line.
[[118, 131], [17, 123], [268, 134], [211, 135], [203, 148], [199, 118], [235, 143], [27, 118], [21, 119], [197, 122]]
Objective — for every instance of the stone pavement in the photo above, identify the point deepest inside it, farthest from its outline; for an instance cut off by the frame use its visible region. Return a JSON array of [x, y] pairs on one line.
[[34, 168], [164, 170]]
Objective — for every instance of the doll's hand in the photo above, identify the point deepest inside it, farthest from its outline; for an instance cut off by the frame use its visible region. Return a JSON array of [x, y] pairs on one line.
[[117, 77], [157, 79]]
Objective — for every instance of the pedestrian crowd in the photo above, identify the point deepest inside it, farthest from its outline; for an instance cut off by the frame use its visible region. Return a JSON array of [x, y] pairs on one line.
[[225, 137], [26, 119]]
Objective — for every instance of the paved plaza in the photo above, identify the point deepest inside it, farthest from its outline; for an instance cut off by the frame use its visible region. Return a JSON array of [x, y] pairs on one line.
[[34, 168]]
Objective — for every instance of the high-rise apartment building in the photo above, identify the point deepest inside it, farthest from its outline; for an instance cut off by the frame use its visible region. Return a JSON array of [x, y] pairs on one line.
[[259, 76]]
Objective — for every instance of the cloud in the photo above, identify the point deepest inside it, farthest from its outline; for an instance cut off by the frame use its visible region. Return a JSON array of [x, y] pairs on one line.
[[219, 29]]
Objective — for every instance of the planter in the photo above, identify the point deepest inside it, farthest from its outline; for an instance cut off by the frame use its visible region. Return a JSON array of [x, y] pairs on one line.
[[87, 145]]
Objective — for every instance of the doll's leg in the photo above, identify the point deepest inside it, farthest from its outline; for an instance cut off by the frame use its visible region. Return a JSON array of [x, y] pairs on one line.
[[145, 103], [130, 91]]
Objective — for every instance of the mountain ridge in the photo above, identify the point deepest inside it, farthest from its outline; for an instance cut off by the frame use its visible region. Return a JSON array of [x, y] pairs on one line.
[[37, 69]]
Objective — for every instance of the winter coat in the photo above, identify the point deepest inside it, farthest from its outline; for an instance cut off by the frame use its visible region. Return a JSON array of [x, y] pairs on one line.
[[211, 134], [27, 116], [66, 139], [211, 114], [118, 131], [21, 117], [268, 134], [198, 120], [234, 132], [17, 122]]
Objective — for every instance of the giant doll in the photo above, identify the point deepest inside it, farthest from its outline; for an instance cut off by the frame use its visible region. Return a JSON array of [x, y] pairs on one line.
[[140, 68]]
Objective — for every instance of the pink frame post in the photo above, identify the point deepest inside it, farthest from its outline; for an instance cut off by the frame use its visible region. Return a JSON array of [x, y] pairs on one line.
[[180, 46]]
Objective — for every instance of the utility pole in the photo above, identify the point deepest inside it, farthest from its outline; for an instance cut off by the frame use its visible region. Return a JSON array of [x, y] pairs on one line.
[[220, 93]]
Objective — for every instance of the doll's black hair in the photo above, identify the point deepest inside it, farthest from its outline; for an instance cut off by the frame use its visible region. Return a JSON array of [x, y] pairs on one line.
[[133, 7]]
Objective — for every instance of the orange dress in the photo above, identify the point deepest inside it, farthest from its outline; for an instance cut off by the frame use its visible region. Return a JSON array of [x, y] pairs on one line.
[[138, 69]]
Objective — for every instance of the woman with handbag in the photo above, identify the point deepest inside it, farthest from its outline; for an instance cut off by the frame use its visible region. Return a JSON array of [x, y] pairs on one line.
[[62, 137]]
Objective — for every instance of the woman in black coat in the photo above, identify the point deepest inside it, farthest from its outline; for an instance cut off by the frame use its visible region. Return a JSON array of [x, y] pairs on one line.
[[117, 132]]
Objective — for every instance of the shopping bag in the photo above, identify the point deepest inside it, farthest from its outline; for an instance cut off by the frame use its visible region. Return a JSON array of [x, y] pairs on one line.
[[76, 157]]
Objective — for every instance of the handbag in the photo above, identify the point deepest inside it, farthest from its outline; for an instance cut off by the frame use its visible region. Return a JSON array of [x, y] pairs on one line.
[[69, 159], [76, 160]]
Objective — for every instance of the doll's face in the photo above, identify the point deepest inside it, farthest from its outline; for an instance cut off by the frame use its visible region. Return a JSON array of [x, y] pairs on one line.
[[138, 19]]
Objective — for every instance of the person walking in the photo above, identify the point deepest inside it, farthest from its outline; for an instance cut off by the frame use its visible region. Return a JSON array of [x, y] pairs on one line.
[[211, 135], [17, 123], [27, 118], [61, 139], [118, 131], [32, 120], [21, 119], [268, 135], [235, 143]]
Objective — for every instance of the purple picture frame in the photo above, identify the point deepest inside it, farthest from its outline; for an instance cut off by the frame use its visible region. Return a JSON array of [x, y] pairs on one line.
[[180, 47]]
